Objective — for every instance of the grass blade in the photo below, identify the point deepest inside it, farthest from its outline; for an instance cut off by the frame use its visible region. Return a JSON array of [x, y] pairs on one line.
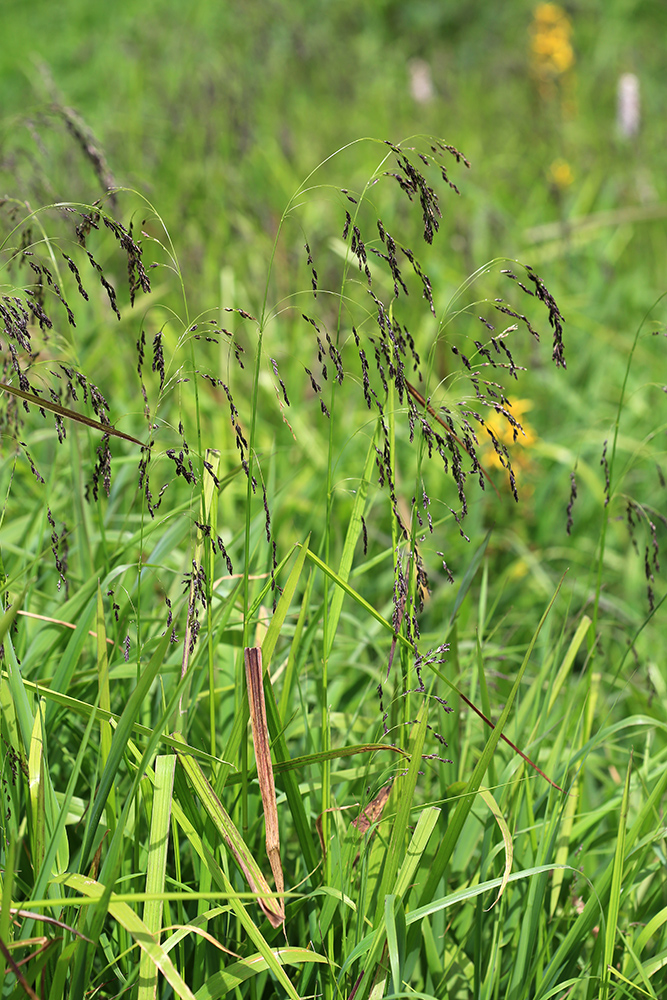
[[230, 978], [63, 411], [118, 744], [615, 888], [466, 802], [271, 908], [135, 926], [156, 868]]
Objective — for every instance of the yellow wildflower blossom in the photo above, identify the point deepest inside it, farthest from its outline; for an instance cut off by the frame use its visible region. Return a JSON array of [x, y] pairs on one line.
[[503, 431], [560, 174], [552, 52]]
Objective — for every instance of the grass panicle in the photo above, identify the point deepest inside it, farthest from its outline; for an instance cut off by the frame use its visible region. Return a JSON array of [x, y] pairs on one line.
[[295, 542]]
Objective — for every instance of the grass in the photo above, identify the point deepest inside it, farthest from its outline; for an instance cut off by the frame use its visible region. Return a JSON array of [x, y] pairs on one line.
[[285, 481]]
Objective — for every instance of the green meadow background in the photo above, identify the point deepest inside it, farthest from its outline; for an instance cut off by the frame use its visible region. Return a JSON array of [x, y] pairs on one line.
[[211, 119]]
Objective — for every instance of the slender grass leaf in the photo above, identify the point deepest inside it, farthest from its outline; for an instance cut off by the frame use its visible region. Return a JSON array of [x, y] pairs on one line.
[[465, 804], [222, 821], [568, 661], [282, 607], [352, 535], [84, 709], [402, 793], [63, 411], [118, 744], [507, 839], [616, 886], [219, 877], [135, 926], [156, 867], [394, 919], [418, 844], [36, 786], [568, 949], [105, 703], [230, 978], [469, 576], [7, 888]]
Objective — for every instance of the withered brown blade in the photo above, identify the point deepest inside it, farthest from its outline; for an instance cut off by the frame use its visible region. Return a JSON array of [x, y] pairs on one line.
[[373, 810], [260, 737], [63, 411]]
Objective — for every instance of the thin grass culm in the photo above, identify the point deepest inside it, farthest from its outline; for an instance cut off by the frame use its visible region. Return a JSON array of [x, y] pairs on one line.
[[265, 731]]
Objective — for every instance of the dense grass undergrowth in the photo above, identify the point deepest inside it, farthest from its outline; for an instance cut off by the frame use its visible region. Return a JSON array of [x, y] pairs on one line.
[[307, 523], [297, 488]]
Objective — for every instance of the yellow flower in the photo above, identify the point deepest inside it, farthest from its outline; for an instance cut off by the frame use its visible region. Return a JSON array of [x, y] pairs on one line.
[[552, 52], [560, 174], [504, 432]]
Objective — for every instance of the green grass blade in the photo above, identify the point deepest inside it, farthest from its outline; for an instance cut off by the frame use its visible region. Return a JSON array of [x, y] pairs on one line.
[[488, 798], [394, 920], [105, 703], [233, 839], [156, 868], [59, 834], [426, 824], [135, 926], [282, 607], [84, 709], [36, 785], [351, 538], [402, 795], [8, 876], [465, 804], [616, 885], [568, 950], [469, 576], [118, 744], [249, 927], [230, 978]]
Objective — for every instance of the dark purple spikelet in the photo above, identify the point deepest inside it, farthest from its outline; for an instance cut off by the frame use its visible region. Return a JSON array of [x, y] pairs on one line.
[[605, 466], [114, 607], [75, 271], [267, 514], [274, 365], [446, 568], [555, 317], [182, 469], [223, 552], [573, 497], [101, 472], [60, 549], [314, 385], [158, 358], [33, 467]]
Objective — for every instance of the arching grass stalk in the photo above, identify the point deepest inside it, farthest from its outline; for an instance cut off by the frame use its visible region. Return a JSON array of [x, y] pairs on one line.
[[329, 625], [302, 189]]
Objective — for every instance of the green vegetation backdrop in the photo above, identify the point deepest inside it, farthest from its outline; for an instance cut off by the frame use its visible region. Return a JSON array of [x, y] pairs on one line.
[[320, 501]]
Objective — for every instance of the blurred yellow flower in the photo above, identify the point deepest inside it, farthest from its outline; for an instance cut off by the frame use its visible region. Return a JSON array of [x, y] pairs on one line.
[[560, 174], [503, 431], [552, 52]]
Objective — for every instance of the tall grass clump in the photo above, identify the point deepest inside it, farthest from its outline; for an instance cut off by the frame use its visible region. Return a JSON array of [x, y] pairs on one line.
[[279, 513]]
